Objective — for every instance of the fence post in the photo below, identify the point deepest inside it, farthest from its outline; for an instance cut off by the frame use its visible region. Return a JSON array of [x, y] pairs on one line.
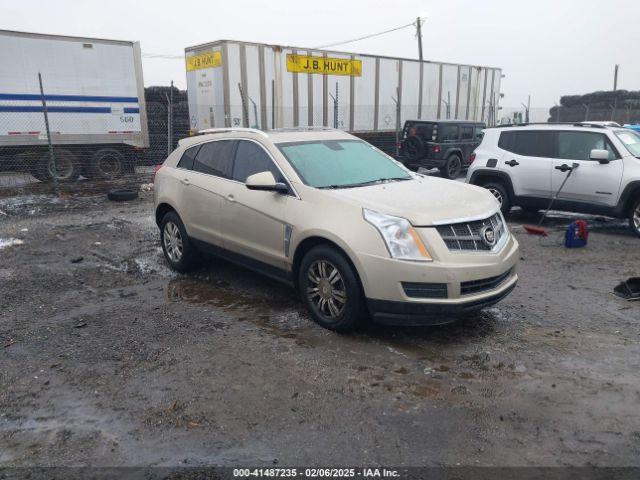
[[46, 125]]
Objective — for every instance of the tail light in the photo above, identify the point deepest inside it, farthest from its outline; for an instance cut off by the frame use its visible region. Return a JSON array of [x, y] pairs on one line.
[[436, 149], [155, 171], [472, 157]]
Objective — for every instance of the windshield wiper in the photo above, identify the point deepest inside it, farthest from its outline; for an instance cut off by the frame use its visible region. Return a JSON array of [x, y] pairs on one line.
[[364, 184], [383, 180]]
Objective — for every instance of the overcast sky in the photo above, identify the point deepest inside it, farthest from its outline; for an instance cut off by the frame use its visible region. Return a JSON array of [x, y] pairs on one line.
[[546, 48]]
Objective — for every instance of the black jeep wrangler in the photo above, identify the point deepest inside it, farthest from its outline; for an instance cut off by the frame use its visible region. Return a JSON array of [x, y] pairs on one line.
[[444, 144]]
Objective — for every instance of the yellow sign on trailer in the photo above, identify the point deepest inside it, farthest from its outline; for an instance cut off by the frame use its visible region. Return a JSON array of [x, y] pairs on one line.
[[204, 60], [323, 65]]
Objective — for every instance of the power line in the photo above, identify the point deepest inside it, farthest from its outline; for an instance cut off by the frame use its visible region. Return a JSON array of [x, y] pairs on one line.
[[369, 36], [162, 55]]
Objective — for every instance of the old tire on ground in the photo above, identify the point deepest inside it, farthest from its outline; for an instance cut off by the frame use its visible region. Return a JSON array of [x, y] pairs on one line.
[[412, 148], [67, 166], [502, 195], [452, 168], [634, 217], [180, 253], [106, 164], [330, 288], [122, 195]]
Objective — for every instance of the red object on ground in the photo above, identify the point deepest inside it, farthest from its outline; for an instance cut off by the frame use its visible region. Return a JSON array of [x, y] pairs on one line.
[[535, 230]]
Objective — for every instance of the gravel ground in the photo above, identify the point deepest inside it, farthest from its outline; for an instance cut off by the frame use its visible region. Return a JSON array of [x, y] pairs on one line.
[[107, 358]]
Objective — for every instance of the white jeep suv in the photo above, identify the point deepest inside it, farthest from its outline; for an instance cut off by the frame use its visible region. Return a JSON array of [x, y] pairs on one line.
[[350, 227], [525, 165]]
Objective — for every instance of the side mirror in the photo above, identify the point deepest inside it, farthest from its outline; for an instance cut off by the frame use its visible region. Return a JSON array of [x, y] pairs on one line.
[[265, 181], [602, 156]]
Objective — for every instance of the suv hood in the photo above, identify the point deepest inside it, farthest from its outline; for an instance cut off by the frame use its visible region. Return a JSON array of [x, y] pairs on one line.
[[424, 201]]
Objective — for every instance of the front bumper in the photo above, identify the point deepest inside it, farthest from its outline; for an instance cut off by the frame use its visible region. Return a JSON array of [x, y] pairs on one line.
[[389, 312], [412, 293]]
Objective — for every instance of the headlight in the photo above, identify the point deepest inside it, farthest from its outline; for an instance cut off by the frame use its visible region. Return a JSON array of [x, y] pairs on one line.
[[399, 236]]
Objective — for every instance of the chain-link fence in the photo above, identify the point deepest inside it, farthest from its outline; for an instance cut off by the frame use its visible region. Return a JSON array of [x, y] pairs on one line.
[[51, 145], [55, 144]]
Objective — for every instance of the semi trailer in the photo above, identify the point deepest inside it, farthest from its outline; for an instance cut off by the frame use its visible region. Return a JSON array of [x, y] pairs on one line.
[[234, 83], [93, 91]]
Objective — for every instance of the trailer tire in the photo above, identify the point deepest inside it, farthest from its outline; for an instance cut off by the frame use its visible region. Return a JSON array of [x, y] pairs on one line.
[[106, 164], [67, 166]]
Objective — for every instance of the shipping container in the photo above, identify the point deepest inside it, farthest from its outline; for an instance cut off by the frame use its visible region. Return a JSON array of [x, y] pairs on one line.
[[94, 94], [233, 83]]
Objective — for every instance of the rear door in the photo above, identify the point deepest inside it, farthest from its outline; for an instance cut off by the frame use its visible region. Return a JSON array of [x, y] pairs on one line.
[[211, 172], [592, 182], [253, 219], [528, 159]]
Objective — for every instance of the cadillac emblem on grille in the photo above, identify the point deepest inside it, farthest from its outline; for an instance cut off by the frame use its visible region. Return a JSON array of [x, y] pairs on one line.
[[488, 236]]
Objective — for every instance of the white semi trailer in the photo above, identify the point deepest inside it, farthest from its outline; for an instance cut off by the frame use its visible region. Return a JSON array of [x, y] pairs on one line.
[[94, 94], [233, 83]]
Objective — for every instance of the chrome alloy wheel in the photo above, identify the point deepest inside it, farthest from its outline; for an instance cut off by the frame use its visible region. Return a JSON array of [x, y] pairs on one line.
[[496, 193], [326, 289], [173, 242]]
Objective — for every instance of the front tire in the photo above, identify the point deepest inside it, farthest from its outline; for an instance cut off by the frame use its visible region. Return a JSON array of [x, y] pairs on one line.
[[330, 289], [178, 250], [634, 217], [452, 168], [500, 192]]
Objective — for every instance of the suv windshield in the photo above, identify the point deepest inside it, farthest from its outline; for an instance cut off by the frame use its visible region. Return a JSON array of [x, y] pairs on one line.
[[340, 163], [630, 139]]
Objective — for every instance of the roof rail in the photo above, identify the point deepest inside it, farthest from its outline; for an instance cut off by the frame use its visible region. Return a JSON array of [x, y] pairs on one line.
[[310, 128], [574, 124], [208, 131]]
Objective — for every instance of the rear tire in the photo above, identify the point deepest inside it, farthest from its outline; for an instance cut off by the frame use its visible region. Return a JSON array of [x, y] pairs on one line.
[[67, 167], [106, 164], [178, 250], [452, 168], [502, 195], [330, 289], [634, 217]]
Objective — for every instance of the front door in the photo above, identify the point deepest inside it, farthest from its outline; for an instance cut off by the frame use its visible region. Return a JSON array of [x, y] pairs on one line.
[[254, 224], [591, 182]]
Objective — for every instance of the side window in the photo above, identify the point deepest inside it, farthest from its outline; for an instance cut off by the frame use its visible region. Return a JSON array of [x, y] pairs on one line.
[[448, 133], [479, 132], [215, 158], [507, 141], [578, 145], [531, 143], [186, 161], [467, 133], [252, 158]]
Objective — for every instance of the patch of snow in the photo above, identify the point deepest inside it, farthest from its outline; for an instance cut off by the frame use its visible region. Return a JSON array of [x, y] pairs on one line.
[[9, 242]]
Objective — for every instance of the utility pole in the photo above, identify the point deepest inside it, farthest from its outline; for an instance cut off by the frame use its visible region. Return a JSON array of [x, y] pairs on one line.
[[419, 35], [615, 77]]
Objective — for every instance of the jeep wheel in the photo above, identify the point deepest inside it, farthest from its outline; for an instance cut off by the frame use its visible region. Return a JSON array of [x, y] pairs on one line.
[[413, 147], [500, 192], [330, 289], [180, 254], [452, 168], [634, 217]]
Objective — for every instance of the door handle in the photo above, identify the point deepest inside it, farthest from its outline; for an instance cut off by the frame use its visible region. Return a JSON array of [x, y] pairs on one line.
[[231, 198], [512, 163], [185, 181], [564, 168]]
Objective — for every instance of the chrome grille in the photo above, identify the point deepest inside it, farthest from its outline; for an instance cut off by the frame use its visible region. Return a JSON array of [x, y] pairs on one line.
[[468, 235]]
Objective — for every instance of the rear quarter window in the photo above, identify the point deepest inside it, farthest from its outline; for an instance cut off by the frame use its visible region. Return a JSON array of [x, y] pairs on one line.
[[186, 161]]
